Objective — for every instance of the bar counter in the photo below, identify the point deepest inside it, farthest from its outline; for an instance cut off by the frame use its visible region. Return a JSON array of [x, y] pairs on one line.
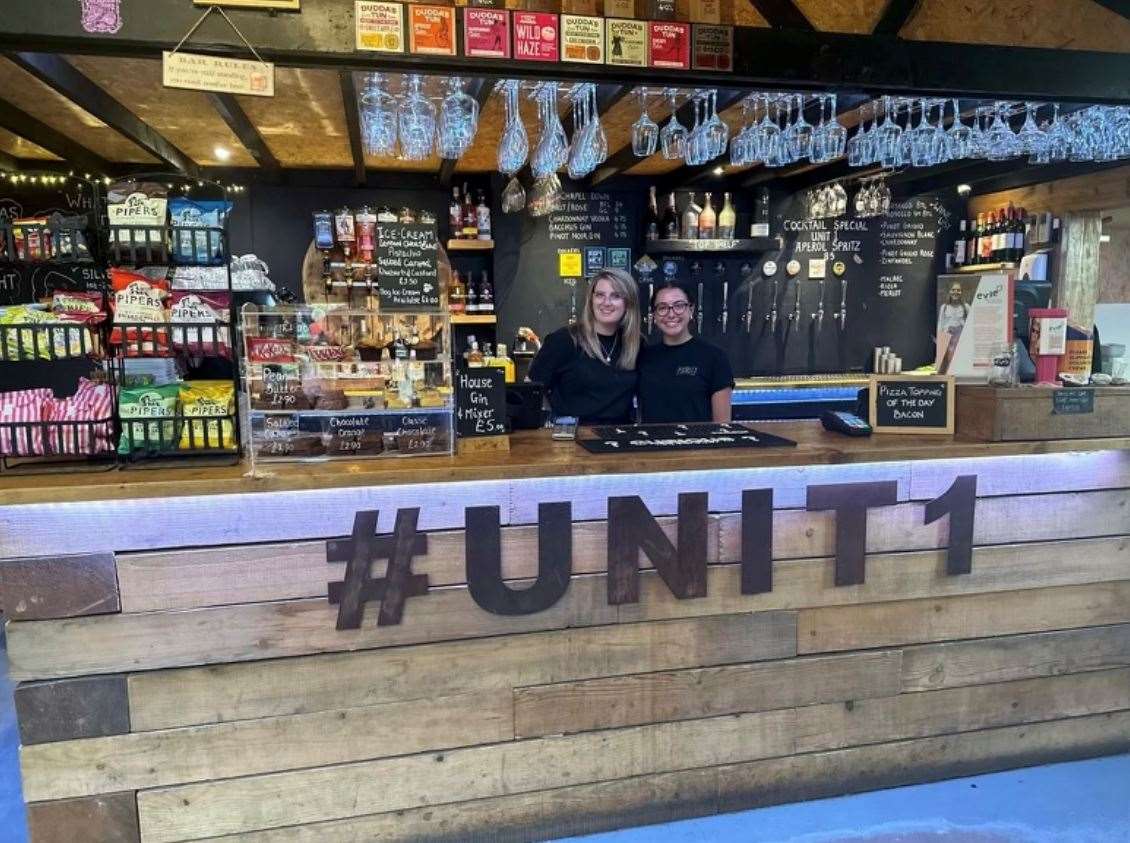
[[521, 645]]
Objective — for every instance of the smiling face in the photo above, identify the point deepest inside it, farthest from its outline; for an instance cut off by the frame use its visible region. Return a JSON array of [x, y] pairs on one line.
[[608, 307], [673, 314], [955, 293]]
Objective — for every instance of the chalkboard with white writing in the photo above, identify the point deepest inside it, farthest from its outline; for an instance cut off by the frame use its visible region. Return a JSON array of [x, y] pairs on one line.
[[480, 402], [910, 404], [406, 266]]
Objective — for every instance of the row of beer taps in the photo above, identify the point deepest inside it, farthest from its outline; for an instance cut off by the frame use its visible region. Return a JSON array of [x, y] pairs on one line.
[[772, 316]]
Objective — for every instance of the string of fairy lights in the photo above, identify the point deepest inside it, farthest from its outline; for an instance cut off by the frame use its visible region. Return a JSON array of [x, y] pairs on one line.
[[51, 180]]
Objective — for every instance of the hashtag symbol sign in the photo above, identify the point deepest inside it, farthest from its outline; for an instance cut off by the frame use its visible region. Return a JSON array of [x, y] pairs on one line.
[[359, 551]]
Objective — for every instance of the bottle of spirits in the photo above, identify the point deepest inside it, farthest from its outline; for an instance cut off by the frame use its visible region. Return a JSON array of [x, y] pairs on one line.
[[472, 295], [669, 226], [470, 218], [651, 217], [707, 220], [959, 246], [457, 295], [475, 357], [486, 294], [760, 225], [503, 361], [482, 218], [455, 214], [727, 219], [690, 220], [366, 233], [399, 347], [344, 229]]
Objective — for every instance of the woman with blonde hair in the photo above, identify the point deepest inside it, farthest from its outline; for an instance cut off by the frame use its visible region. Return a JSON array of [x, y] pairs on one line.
[[589, 368]]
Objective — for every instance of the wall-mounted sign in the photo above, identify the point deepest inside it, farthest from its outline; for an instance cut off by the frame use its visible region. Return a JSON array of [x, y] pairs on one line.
[[582, 39], [817, 268], [626, 42], [713, 47], [279, 5], [486, 33], [911, 404], [1067, 401], [196, 72], [406, 266], [595, 259], [379, 26], [431, 29], [670, 44], [535, 36], [620, 257], [569, 263]]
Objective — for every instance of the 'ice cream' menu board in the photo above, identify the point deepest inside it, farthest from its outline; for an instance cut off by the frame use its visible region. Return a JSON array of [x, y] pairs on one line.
[[406, 266]]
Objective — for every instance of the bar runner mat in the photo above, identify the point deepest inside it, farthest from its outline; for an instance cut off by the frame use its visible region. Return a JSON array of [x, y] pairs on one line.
[[679, 437]]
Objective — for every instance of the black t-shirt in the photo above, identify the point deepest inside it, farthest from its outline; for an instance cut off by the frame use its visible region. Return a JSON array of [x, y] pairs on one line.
[[592, 390], [677, 381]]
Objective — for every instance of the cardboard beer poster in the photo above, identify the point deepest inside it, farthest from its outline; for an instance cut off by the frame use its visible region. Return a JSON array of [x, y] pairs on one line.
[[379, 26], [670, 44], [713, 47], [627, 42], [535, 36], [431, 29], [486, 33], [582, 39], [974, 315]]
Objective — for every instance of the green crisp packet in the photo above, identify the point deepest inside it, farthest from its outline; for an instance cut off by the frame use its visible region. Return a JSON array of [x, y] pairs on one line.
[[140, 408]]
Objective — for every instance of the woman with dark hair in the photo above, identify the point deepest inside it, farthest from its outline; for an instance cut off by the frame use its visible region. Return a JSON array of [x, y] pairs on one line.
[[589, 368], [682, 378]]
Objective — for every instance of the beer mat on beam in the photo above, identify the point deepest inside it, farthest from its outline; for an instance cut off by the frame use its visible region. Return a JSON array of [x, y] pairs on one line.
[[679, 437]]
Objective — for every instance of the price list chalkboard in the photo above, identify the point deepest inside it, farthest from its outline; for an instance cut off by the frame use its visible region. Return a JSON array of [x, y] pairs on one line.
[[480, 402], [406, 266]]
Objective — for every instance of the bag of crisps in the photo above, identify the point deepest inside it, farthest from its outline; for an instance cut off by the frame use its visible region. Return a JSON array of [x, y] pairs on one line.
[[148, 416], [209, 408]]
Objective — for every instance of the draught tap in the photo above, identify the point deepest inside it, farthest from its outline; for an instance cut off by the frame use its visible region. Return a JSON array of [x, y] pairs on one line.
[[771, 316], [841, 314], [795, 315], [724, 316], [746, 272], [818, 316], [696, 270]]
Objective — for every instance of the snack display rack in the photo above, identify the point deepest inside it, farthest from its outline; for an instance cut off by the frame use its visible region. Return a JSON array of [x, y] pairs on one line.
[[335, 382], [161, 428], [38, 359]]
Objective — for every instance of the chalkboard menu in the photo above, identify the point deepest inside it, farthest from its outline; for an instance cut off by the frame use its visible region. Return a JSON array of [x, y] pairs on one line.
[[540, 261], [406, 266], [1067, 401], [480, 402], [910, 404]]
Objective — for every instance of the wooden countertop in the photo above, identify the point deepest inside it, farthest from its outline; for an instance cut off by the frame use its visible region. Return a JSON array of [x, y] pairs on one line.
[[532, 454]]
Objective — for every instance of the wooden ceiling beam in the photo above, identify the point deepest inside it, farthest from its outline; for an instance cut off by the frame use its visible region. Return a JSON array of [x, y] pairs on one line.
[[1119, 7], [895, 15], [30, 129], [479, 90], [59, 75], [8, 162], [232, 113], [624, 158], [782, 14], [353, 125]]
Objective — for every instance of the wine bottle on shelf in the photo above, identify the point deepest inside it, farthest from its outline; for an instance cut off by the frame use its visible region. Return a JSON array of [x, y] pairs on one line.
[[727, 219], [669, 228], [1017, 238], [987, 238], [482, 218], [707, 220], [470, 219], [455, 214], [651, 217], [996, 237], [971, 243], [975, 252], [959, 246]]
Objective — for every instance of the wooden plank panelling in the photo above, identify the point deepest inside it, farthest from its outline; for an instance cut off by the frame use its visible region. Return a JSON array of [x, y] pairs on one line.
[[228, 750], [38, 588], [999, 520], [182, 579], [168, 698], [1075, 472], [958, 663], [215, 808], [67, 709], [108, 818], [108, 644], [837, 725], [589, 808], [705, 692], [972, 616]]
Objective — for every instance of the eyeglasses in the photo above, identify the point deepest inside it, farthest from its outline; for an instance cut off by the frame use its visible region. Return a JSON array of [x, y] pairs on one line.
[[679, 308], [607, 297]]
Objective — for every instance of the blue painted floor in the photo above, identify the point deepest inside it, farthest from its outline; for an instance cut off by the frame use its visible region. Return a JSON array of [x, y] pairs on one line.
[[1078, 802]]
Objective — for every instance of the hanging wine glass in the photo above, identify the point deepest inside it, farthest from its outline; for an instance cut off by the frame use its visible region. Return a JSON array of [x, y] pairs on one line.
[[799, 134], [645, 131], [458, 120], [417, 122], [959, 136], [673, 138], [378, 117]]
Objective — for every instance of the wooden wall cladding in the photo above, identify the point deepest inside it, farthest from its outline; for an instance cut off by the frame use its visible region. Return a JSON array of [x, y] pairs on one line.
[[1100, 191], [220, 702]]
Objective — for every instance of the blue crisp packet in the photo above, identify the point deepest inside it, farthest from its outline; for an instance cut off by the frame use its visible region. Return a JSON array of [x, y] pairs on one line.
[[197, 230]]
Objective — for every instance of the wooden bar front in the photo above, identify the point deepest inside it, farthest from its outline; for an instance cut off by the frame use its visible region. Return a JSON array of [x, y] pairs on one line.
[[190, 682]]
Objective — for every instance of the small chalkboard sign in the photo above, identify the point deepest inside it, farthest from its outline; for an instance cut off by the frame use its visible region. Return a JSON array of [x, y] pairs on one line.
[[406, 266], [480, 402], [1073, 402], [911, 404]]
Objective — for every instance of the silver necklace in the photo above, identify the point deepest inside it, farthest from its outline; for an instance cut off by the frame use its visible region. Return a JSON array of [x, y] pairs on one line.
[[608, 355]]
